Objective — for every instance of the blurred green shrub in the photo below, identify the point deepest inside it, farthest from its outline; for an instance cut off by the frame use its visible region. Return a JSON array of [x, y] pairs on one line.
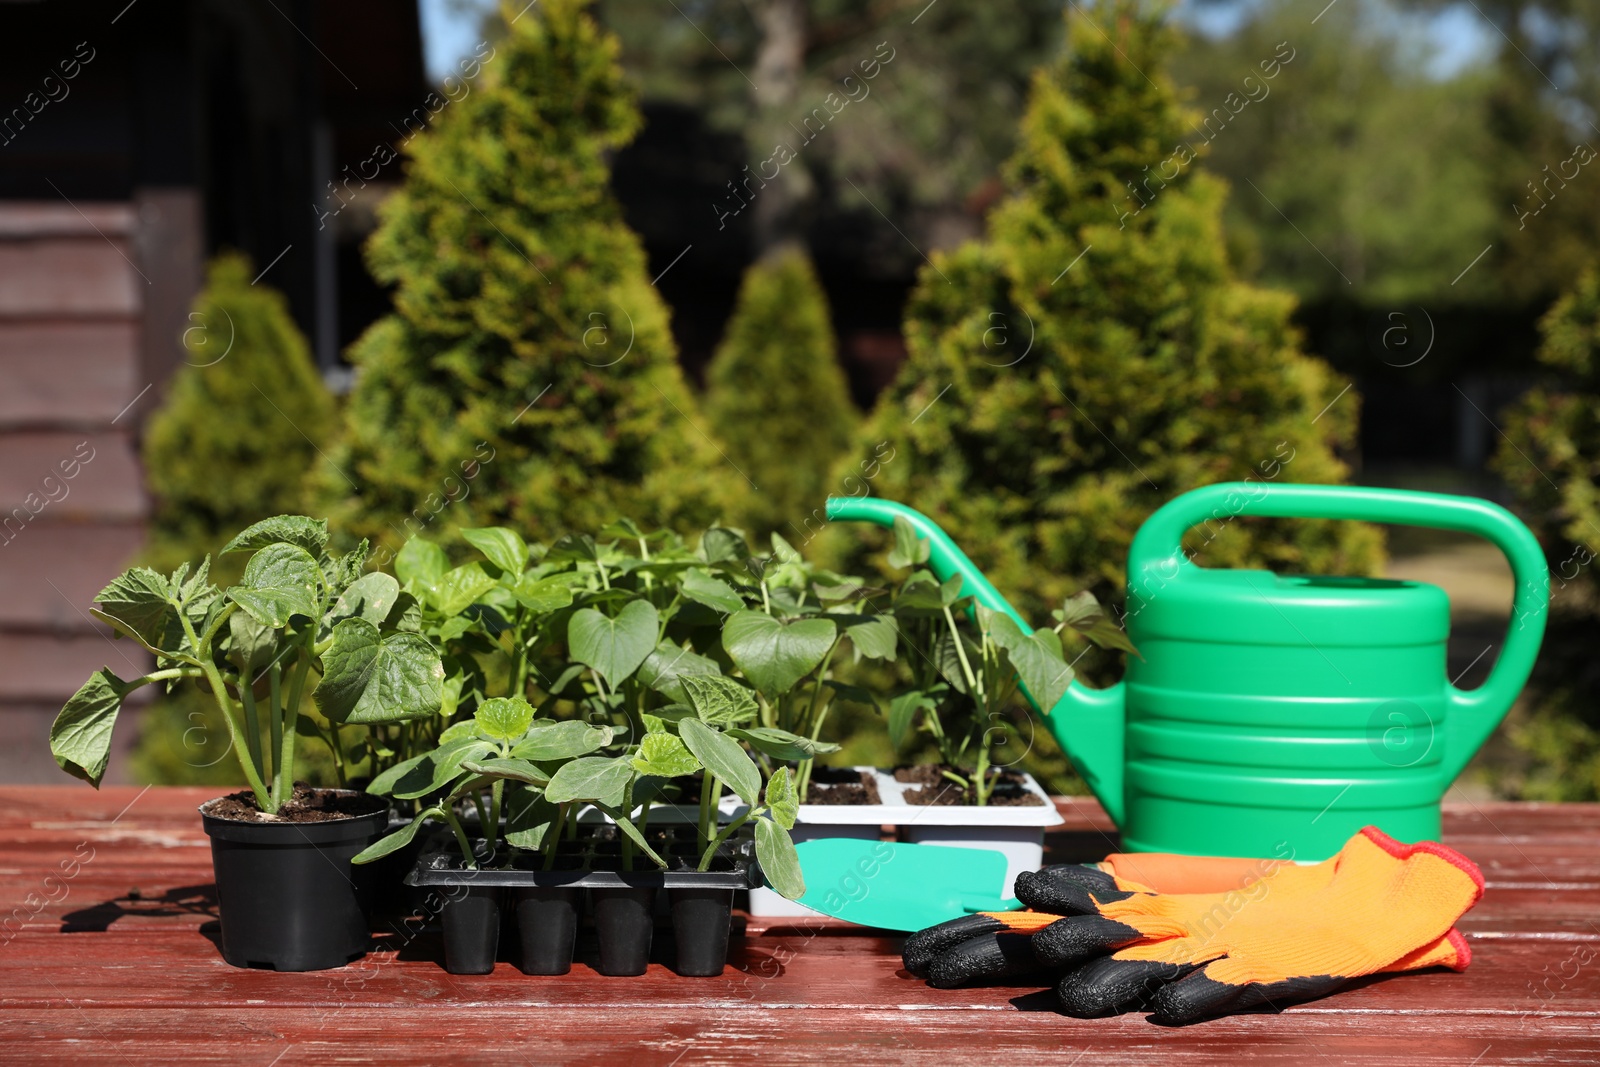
[[244, 420], [776, 397], [1550, 457], [1096, 355], [527, 375]]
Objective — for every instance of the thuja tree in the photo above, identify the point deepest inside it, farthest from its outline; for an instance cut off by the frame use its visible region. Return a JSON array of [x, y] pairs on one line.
[[1551, 460], [777, 399], [242, 423], [1095, 355], [527, 342]]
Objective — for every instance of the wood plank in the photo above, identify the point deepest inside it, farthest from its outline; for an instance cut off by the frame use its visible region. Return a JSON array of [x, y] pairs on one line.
[[50, 576], [67, 373], [77, 276], [92, 476], [56, 218], [43, 669]]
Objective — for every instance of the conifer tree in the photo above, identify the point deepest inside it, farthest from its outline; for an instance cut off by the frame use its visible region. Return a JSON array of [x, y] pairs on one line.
[[527, 375], [1550, 457], [243, 421], [1095, 356], [777, 398]]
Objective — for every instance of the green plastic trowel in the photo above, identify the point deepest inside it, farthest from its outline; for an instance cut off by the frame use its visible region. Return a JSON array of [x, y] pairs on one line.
[[901, 887]]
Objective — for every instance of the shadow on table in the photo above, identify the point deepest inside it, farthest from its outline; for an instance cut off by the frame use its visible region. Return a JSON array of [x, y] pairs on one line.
[[178, 901]]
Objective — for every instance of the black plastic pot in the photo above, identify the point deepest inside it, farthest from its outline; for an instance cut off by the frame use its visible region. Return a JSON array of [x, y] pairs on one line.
[[625, 921], [287, 895], [700, 922], [547, 923], [471, 921]]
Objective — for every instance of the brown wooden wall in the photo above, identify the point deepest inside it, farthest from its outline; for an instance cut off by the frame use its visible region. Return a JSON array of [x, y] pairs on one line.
[[72, 504]]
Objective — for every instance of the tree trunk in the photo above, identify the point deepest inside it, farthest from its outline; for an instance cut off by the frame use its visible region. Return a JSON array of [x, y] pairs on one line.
[[780, 62]]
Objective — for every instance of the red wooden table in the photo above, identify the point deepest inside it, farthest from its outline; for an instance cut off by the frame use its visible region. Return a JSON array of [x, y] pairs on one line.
[[107, 955]]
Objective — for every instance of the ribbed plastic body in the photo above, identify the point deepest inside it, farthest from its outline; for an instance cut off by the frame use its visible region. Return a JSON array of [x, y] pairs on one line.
[[1276, 717]]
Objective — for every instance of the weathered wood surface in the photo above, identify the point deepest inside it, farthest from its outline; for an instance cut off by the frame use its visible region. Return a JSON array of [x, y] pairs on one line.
[[107, 956]]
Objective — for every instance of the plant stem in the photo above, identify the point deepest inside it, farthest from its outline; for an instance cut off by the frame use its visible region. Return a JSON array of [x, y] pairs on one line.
[[519, 655], [727, 831], [483, 816], [552, 837], [219, 691], [274, 711], [626, 812], [461, 837], [497, 794], [252, 725], [961, 652], [704, 830], [283, 786]]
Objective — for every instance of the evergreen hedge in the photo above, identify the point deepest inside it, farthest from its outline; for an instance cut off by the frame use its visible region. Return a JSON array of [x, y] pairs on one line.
[[776, 396], [527, 376], [1096, 355]]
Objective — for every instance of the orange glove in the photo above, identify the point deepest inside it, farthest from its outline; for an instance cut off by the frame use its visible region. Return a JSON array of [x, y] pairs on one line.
[[1293, 934]]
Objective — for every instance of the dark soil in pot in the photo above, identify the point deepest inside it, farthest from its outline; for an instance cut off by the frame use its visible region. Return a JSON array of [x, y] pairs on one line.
[[471, 921], [934, 789], [287, 895], [624, 921], [547, 925], [842, 785]]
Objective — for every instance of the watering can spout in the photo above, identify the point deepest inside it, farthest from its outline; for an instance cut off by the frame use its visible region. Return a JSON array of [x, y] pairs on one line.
[[1086, 723]]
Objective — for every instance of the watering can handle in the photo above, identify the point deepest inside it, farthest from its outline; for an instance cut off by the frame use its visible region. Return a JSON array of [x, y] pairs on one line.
[[1157, 555]]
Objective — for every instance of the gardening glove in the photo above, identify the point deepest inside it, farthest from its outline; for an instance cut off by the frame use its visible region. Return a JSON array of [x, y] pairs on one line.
[[1294, 934]]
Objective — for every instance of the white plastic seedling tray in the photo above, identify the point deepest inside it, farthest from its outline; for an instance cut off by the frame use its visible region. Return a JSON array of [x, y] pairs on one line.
[[1015, 831]]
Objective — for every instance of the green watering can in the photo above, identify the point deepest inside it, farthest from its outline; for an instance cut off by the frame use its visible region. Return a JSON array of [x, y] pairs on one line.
[[1275, 716]]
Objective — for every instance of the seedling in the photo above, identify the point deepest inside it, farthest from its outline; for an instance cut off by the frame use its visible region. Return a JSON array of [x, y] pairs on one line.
[[297, 611]]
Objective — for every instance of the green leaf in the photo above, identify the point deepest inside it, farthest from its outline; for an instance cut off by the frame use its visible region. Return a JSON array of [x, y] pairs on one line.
[[420, 561], [626, 826], [775, 655], [367, 678], [281, 580], [504, 548], [458, 731], [414, 773], [516, 770], [781, 744], [722, 545], [561, 741], [80, 738], [598, 778], [251, 644], [779, 860], [903, 712], [1084, 614], [543, 595], [298, 530], [136, 603], [371, 597], [876, 638], [714, 593], [577, 548], [1037, 658], [341, 571], [614, 647], [664, 669], [458, 589], [529, 817], [782, 800], [397, 840], [722, 756], [664, 756], [909, 549], [503, 718], [444, 766], [720, 701], [947, 659]]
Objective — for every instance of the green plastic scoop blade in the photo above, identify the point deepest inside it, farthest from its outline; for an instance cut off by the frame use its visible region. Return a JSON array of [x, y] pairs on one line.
[[901, 887]]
